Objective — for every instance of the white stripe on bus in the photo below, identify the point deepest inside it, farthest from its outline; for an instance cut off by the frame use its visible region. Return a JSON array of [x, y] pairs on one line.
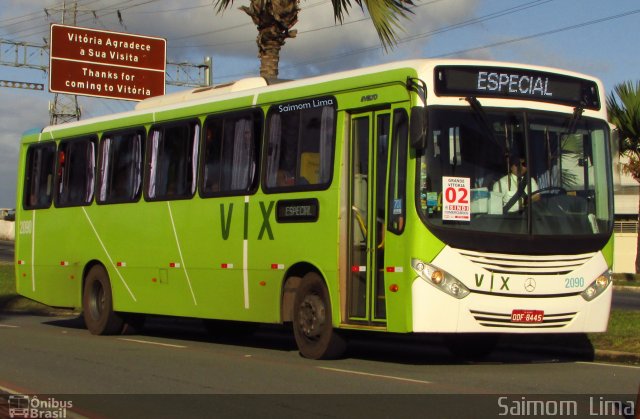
[[245, 265], [177, 265], [108, 255], [33, 251]]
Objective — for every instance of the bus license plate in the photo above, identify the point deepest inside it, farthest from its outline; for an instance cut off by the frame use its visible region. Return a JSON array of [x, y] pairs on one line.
[[527, 316]]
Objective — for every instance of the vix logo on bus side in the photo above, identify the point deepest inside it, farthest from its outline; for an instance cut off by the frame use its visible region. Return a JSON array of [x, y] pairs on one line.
[[227, 214], [504, 286]]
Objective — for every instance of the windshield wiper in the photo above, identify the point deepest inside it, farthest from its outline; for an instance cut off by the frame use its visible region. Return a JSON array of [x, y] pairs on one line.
[[478, 110]]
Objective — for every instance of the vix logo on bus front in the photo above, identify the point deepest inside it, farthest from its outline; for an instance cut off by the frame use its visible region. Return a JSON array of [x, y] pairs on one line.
[[493, 283]]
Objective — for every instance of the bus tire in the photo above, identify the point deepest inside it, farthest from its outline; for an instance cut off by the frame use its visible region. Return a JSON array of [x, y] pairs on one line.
[[312, 322], [97, 304]]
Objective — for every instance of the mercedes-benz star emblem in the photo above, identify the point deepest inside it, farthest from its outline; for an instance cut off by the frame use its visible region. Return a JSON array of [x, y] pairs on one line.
[[530, 284]]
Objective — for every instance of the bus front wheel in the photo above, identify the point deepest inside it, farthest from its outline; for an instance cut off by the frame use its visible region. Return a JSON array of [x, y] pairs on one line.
[[312, 321], [97, 304]]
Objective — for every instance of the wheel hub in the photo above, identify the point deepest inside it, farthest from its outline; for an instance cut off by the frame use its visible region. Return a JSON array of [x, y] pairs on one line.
[[312, 316]]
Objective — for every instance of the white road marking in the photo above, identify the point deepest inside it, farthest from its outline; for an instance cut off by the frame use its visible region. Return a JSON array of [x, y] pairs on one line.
[[148, 342], [9, 326], [602, 364], [388, 377], [8, 390]]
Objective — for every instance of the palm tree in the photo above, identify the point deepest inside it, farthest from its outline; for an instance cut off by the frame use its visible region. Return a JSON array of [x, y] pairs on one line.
[[625, 115], [276, 18]]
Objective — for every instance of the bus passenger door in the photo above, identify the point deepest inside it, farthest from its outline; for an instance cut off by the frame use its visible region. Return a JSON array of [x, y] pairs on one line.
[[367, 180]]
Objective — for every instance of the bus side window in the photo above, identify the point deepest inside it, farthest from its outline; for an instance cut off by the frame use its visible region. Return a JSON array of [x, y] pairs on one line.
[[398, 173], [300, 141], [39, 171], [230, 154], [76, 172], [172, 161], [120, 167]]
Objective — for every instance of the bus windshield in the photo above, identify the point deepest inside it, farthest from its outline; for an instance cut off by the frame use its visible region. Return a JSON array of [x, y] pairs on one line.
[[530, 173]]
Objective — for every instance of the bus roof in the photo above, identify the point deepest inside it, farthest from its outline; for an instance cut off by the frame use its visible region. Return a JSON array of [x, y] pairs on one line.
[[256, 86]]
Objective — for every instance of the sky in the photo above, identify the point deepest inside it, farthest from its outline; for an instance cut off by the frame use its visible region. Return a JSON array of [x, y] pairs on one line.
[[589, 36]]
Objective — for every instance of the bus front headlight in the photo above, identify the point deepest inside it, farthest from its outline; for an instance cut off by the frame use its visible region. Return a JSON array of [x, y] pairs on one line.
[[440, 279], [597, 287]]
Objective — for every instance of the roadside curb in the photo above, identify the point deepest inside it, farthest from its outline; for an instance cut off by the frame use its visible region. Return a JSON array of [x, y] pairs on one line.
[[49, 312], [576, 349], [616, 356]]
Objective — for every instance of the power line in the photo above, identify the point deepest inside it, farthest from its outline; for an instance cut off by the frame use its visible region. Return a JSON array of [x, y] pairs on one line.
[[496, 44], [501, 13], [33, 16], [539, 34], [481, 19], [96, 13]]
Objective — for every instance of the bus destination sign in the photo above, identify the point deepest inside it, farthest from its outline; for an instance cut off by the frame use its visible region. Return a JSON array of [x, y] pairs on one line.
[[106, 64], [512, 83]]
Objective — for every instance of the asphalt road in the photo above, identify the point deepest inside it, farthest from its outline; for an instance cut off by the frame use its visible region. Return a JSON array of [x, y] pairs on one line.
[[176, 369]]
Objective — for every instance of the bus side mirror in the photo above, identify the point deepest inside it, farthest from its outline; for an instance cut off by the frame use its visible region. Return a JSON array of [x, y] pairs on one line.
[[418, 128]]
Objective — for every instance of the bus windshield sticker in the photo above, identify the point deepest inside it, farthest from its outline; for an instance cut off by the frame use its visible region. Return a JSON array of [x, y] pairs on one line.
[[397, 207], [455, 203], [297, 211]]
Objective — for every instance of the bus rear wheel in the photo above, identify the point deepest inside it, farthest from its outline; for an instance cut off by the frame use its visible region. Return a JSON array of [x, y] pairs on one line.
[[97, 304], [312, 322]]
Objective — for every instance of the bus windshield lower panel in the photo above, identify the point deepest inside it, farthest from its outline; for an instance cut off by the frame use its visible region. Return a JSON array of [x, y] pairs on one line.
[[520, 181]]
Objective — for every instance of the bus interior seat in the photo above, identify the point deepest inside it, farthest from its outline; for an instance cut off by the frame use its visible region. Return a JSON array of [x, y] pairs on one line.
[[310, 167]]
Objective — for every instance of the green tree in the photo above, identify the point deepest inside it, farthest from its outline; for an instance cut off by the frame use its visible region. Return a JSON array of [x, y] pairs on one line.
[[623, 106], [276, 18]]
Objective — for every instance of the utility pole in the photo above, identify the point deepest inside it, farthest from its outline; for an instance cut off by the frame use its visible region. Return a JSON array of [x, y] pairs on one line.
[[23, 55], [36, 56], [65, 108]]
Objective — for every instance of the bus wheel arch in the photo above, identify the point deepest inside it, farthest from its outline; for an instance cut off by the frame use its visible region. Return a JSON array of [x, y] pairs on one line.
[[294, 275], [97, 301], [312, 320]]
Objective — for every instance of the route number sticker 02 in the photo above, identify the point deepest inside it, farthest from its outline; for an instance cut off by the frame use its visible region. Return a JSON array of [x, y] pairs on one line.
[[456, 196]]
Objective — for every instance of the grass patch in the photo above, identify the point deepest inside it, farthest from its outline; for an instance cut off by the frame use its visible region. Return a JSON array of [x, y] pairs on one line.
[[630, 280], [623, 333], [9, 298]]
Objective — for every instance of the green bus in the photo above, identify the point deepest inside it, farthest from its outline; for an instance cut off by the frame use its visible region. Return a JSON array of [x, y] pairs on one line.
[[468, 198]]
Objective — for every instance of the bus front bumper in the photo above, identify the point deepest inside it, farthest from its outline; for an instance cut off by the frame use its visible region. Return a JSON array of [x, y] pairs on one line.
[[434, 311]]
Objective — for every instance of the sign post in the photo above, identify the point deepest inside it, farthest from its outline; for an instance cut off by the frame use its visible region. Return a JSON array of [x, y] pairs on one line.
[[106, 64]]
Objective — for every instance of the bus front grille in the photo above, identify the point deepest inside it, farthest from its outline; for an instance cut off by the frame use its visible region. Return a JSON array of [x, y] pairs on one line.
[[501, 263], [503, 320]]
